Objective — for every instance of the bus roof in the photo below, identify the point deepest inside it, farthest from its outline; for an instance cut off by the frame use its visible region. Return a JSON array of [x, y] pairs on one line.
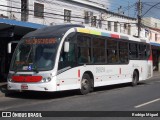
[[52, 31], [60, 30], [105, 33]]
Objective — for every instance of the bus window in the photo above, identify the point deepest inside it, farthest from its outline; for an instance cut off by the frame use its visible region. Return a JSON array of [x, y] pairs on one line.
[[142, 51], [123, 52], [133, 48], [98, 50], [112, 51], [84, 55], [148, 51], [67, 59], [83, 41], [84, 49]]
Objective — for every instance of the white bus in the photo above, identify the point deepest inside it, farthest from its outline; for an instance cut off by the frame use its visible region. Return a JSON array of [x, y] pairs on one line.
[[66, 57]]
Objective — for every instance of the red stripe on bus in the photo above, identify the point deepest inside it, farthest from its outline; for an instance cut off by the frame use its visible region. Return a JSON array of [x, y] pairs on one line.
[[79, 73], [114, 36], [26, 78], [150, 58], [120, 71]]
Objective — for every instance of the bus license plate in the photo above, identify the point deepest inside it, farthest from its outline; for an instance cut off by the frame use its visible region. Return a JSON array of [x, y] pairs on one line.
[[24, 87]]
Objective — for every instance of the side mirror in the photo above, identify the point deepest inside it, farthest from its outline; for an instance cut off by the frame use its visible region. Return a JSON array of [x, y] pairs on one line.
[[66, 47], [9, 48]]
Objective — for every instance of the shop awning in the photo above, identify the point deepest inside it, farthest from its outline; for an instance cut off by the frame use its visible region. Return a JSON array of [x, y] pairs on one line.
[[155, 44], [18, 27]]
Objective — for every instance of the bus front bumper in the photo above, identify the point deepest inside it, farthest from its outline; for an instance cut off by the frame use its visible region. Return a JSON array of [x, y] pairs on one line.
[[50, 86]]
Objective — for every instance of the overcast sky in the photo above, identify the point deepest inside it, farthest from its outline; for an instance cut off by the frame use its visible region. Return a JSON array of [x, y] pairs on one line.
[[113, 6]]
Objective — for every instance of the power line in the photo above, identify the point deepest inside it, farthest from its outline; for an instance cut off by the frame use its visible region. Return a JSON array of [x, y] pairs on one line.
[[150, 8], [72, 19], [48, 12]]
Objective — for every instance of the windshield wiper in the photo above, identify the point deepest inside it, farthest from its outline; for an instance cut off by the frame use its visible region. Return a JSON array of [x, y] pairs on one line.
[[29, 54]]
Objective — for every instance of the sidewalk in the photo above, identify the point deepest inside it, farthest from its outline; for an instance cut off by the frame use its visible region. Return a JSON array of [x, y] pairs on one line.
[[156, 74], [4, 91]]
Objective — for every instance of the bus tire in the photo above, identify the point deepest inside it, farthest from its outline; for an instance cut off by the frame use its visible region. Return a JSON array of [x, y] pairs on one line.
[[135, 78], [86, 85]]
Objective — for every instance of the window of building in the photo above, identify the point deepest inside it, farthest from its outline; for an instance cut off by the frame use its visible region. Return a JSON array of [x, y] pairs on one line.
[[156, 25], [129, 29], [93, 21], [100, 23], [109, 25], [115, 27], [86, 17], [24, 10], [125, 26], [146, 33], [121, 28], [38, 10], [156, 37], [150, 37], [67, 15]]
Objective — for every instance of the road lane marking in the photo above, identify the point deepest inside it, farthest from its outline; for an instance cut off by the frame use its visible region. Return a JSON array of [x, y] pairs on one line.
[[141, 105]]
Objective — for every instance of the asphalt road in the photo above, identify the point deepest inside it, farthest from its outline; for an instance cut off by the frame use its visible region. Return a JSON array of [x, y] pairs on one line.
[[144, 97]]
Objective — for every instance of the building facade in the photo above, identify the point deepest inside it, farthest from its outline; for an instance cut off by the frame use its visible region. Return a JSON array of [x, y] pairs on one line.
[[52, 12], [151, 30]]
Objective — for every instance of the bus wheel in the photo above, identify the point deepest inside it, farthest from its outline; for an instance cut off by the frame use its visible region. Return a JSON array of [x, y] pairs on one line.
[[86, 86], [135, 78]]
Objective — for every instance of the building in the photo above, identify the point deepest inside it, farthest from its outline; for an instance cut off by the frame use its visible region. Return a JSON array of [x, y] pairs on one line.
[[151, 30], [51, 12]]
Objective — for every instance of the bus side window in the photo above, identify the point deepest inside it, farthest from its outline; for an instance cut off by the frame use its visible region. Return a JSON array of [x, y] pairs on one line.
[[123, 52], [142, 51], [84, 55], [84, 49], [147, 52], [133, 51], [112, 52], [67, 59]]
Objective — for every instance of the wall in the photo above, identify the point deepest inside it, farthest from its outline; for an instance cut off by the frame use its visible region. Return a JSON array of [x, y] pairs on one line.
[[151, 22], [54, 11], [3, 9]]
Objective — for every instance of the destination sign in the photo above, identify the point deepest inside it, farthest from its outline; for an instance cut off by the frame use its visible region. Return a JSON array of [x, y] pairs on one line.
[[41, 41]]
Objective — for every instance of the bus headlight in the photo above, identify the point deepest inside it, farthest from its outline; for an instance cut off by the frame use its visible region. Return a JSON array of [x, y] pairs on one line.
[[48, 79]]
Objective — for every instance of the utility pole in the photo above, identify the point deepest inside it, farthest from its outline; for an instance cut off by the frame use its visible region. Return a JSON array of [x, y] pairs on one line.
[[128, 8], [139, 7]]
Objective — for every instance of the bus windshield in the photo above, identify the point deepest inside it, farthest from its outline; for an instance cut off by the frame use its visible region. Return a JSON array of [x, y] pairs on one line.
[[35, 54]]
